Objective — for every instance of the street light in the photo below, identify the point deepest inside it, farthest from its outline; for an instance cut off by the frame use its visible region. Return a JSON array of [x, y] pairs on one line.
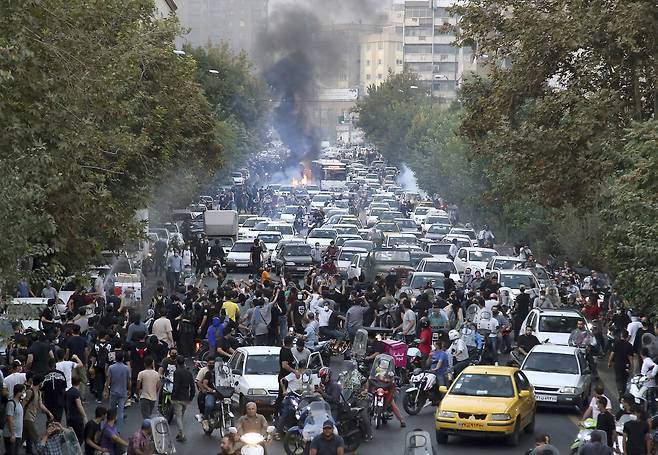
[[179, 52]]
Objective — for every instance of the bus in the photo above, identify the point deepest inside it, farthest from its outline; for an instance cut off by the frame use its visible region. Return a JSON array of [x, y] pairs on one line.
[[331, 174]]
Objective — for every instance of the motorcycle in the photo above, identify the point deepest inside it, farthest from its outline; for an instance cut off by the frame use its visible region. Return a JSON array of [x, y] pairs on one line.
[[584, 435], [381, 383], [253, 442], [165, 403], [350, 425], [310, 420], [423, 392], [221, 417], [637, 387]]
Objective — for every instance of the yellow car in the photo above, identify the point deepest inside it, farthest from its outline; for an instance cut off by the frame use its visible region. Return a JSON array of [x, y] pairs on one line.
[[487, 401]]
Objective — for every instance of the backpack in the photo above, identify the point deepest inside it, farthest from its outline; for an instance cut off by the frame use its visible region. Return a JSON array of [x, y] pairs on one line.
[[437, 318], [102, 354]]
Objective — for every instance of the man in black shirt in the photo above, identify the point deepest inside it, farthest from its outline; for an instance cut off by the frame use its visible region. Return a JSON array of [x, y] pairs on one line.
[[297, 311], [92, 428], [606, 421], [48, 316], [256, 256], [201, 255], [621, 356], [521, 308], [217, 252], [182, 395], [526, 342], [75, 413], [53, 388], [286, 366], [637, 437], [327, 443], [227, 344], [448, 283], [38, 355]]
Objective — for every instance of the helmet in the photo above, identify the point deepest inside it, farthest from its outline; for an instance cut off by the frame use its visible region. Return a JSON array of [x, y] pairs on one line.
[[424, 322], [324, 374], [453, 335]]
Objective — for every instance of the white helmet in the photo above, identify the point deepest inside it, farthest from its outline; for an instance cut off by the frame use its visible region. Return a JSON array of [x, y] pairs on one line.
[[453, 335]]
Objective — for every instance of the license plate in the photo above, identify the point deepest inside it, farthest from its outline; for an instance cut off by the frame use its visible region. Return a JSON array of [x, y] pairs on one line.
[[549, 398], [241, 265], [227, 400], [470, 425]]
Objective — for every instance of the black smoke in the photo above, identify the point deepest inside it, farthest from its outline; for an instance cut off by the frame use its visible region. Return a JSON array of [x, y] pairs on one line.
[[296, 51]]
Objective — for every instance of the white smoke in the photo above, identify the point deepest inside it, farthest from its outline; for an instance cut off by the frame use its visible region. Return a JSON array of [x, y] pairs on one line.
[[407, 179]]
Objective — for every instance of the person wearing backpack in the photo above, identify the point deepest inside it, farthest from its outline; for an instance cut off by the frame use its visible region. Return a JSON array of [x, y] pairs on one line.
[[32, 405], [100, 361], [13, 430]]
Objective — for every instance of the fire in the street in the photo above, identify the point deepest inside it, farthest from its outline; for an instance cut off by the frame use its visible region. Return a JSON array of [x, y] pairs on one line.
[[304, 180]]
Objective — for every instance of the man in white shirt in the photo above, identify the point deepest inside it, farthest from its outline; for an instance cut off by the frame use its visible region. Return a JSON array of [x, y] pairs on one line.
[[454, 249], [163, 330], [15, 377], [632, 328], [593, 408], [408, 326], [649, 369], [67, 366]]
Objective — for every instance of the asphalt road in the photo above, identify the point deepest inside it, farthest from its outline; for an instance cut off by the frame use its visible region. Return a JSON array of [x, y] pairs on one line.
[[560, 424]]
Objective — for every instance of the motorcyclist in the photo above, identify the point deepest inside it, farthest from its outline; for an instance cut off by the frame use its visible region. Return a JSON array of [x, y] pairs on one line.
[[582, 338], [329, 389], [316, 253], [458, 351], [488, 327], [207, 388], [215, 334], [387, 382]]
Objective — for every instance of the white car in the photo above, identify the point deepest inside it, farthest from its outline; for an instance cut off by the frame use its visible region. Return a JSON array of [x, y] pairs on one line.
[[238, 178], [439, 265], [560, 375], [289, 213], [401, 239], [270, 239], [437, 250], [469, 232], [512, 280], [373, 216], [437, 231], [321, 236], [473, 258], [248, 225], [553, 326], [319, 200], [286, 230], [420, 213], [313, 189], [254, 371], [240, 255], [463, 241], [503, 263], [421, 280], [435, 218], [345, 256]]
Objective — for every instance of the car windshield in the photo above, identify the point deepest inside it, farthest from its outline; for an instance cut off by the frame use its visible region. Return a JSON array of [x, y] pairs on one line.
[[377, 212], [242, 247], [420, 281], [282, 228], [422, 211], [393, 241], [550, 362], [505, 264], [262, 364], [225, 241], [387, 227], [392, 256], [558, 324], [439, 267], [406, 224], [236, 174], [323, 234], [540, 273], [347, 229], [483, 385], [438, 229], [269, 238], [365, 244], [251, 222], [389, 216], [300, 250], [312, 188], [347, 255], [514, 281], [261, 226], [481, 256], [439, 248], [290, 210], [466, 232], [438, 219], [322, 198]]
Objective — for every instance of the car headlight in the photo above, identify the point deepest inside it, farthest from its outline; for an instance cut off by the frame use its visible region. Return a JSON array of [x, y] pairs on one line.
[[502, 416], [289, 264], [257, 392], [570, 390], [448, 414]]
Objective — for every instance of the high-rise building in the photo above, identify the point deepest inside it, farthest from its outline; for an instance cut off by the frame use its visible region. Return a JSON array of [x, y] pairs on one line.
[[236, 22], [428, 48], [381, 54]]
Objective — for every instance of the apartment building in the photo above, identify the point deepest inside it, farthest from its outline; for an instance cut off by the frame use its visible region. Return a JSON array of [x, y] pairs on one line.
[[381, 53], [428, 50]]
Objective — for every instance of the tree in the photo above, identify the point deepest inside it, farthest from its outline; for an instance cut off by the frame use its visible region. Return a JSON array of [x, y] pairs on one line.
[[631, 241], [96, 109]]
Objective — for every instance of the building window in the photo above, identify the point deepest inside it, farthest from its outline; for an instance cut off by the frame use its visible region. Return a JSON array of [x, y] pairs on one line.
[[379, 62], [445, 67], [379, 76], [367, 77], [367, 62], [418, 48], [419, 67], [445, 49], [380, 45], [418, 31], [398, 61], [417, 12]]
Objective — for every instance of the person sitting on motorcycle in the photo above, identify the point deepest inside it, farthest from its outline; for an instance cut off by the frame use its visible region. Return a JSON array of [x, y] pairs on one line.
[[592, 310], [580, 336], [329, 389], [331, 253], [207, 388], [215, 334], [425, 343], [439, 363], [217, 252], [388, 382], [316, 253], [327, 319], [525, 342], [252, 422], [458, 351], [649, 369], [227, 345]]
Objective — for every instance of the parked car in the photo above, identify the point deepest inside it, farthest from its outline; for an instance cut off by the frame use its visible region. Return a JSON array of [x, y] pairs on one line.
[[473, 258]]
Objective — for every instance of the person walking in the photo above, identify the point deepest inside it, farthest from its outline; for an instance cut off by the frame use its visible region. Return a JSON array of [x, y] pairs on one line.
[[621, 357], [32, 405], [109, 435], [13, 430], [53, 388], [118, 387], [92, 432], [182, 395], [148, 387], [75, 411]]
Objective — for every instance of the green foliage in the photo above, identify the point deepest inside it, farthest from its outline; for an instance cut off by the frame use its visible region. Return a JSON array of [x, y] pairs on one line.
[[631, 241], [96, 108]]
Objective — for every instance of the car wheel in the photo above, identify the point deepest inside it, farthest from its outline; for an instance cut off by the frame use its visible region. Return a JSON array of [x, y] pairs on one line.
[[531, 426], [515, 437], [441, 438]]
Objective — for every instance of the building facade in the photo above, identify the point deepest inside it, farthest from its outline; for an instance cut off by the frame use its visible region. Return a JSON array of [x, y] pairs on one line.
[[428, 49], [236, 22], [381, 54], [165, 8]]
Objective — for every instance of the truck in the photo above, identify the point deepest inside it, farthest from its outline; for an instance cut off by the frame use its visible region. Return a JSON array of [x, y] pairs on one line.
[[221, 224]]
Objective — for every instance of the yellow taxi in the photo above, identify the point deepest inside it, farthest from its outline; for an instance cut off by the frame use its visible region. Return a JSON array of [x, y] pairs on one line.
[[487, 401]]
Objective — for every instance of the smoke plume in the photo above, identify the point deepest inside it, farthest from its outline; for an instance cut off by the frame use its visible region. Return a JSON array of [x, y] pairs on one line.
[[296, 51]]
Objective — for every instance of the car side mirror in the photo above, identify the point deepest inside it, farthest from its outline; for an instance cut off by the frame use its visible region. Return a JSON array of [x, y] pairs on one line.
[[524, 394], [443, 389]]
